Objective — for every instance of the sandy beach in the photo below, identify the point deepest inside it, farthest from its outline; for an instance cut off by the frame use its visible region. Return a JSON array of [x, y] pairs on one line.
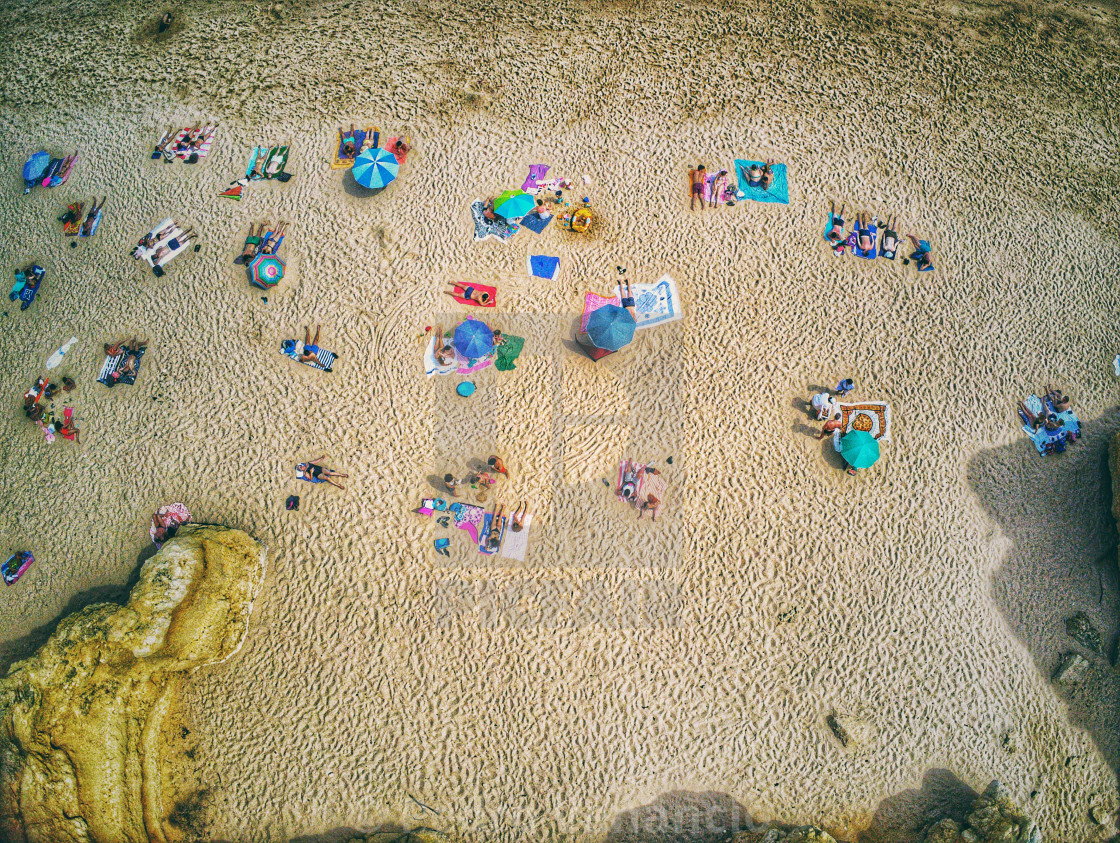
[[626, 670]]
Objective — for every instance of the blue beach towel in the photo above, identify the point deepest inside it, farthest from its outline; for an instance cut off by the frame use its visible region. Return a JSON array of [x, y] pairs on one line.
[[92, 228], [543, 266], [779, 189], [923, 249], [871, 253], [535, 223]]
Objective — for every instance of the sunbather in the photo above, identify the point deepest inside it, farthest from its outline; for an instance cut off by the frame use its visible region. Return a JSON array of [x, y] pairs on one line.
[[517, 518], [863, 233], [888, 244], [488, 211], [920, 255], [68, 384], [174, 244], [650, 503], [541, 210], [836, 229], [717, 184], [128, 365], [466, 291], [91, 217], [310, 350], [349, 142], [69, 430], [630, 479], [314, 473], [696, 186], [272, 242], [252, 244], [834, 423], [165, 22], [133, 345], [494, 539], [628, 299], [400, 148]]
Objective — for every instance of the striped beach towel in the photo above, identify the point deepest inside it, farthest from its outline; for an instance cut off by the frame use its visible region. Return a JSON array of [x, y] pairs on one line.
[[203, 149], [323, 359]]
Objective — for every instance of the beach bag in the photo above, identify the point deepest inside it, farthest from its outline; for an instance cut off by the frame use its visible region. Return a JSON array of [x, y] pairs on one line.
[[283, 176]]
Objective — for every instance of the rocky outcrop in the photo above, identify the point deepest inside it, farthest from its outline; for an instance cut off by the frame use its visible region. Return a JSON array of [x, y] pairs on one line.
[[81, 752]]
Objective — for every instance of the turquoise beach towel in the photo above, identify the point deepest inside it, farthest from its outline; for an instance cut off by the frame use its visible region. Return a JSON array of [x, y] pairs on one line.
[[779, 189]]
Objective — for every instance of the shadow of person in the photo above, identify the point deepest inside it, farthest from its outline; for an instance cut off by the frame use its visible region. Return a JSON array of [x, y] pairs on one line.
[[906, 815], [681, 816], [1056, 513]]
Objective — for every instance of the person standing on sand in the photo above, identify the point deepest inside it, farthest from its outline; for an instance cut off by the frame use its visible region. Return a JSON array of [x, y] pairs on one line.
[[696, 186], [834, 423], [844, 387]]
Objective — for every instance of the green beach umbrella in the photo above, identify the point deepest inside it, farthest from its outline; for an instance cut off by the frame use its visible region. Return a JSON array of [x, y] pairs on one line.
[[514, 203], [859, 448]]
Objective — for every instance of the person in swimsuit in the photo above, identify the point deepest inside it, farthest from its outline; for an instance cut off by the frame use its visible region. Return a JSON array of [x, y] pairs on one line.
[[517, 518], [835, 224], [252, 244], [834, 423], [888, 245], [94, 210], [488, 212], [173, 244], [161, 149], [495, 462], [767, 177], [451, 484], [863, 233], [499, 338], [541, 210], [494, 539], [630, 477], [349, 147], [272, 242], [312, 472], [718, 187], [133, 345], [920, 255], [400, 149], [628, 299], [465, 291], [650, 503], [310, 350], [696, 186]]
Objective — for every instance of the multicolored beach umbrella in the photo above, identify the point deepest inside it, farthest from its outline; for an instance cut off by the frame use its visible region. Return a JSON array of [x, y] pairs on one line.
[[473, 339], [514, 203], [611, 327], [375, 168], [266, 271], [859, 448]]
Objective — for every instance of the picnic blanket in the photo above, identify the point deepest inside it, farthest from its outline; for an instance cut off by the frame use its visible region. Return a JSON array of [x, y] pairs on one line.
[[543, 266], [779, 188], [16, 566], [324, 359], [342, 163], [654, 304], [515, 543], [485, 533], [109, 375], [468, 517], [869, 254], [507, 353], [482, 288], [75, 225], [499, 229], [535, 223], [203, 148], [872, 417], [537, 172]]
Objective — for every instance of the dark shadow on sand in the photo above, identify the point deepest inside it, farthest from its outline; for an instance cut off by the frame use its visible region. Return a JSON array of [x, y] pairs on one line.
[[904, 817], [352, 188], [1056, 511], [682, 816]]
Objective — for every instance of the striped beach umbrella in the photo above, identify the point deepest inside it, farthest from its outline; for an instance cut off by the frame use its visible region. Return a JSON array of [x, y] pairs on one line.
[[375, 168], [266, 271]]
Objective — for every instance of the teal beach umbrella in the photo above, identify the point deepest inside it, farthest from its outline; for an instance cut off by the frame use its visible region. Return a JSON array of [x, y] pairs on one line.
[[859, 448], [611, 327], [375, 168], [514, 203]]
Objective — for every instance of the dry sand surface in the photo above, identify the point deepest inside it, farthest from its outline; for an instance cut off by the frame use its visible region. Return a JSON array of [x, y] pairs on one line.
[[625, 667]]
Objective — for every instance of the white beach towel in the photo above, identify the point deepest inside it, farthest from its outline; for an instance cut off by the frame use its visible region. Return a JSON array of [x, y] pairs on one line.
[[514, 544], [655, 303]]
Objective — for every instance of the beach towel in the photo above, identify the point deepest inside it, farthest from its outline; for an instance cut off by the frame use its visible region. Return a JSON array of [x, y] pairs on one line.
[[869, 254], [93, 228], [233, 192], [654, 304], [30, 289], [468, 517], [340, 162], [276, 161], [506, 354], [499, 229], [654, 485], [873, 417], [203, 148], [432, 366], [324, 359], [534, 223], [543, 266], [482, 288], [923, 249], [484, 533], [1045, 441], [109, 375], [834, 220], [515, 543], [634, 467], [537, 172], [779, 188], [400, 156], [67, 417], [73, 226], [16, 566], [58, 174], [176, 231], [254, 155]]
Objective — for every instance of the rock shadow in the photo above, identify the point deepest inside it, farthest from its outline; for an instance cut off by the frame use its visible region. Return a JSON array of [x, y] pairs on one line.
[[1056, 512], [681, 816], [904, 817]]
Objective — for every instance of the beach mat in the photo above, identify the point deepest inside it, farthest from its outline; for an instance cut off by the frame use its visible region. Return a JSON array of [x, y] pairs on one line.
[[341, 163], [779, 188], [874, 417], [324, 359], [70, 229], [654, 304], [203, 148], [93, 228], [872, 253], [515, 544], [543, 266], [493, 291], [111, 364], [468, 517], [507, 353], [276, 161], [537, 172], [400, 156], [483, 228], [534, 223], [484, 533]]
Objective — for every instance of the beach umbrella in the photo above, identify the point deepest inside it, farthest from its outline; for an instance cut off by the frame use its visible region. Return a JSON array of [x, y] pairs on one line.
[[35, 167], [859, 448], [514, 203], [611, 327], [266, 270], [375, 168], [473, 339]]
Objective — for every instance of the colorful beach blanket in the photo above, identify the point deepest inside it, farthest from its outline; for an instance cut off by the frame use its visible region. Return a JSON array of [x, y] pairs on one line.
[[109, 374], [779, 188], [73, 226], [341, 162], [499, 229], [16, 566], [514, 544], [654, 304], [873, 417], [543, 266], [468, 517], [506, 354]]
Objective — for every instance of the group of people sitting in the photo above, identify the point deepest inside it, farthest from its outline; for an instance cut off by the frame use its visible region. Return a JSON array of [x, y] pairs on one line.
[[352, 146], [261, 243], [130, 351], [44, 416], [481, 481], [445, 352], [1049, 416]]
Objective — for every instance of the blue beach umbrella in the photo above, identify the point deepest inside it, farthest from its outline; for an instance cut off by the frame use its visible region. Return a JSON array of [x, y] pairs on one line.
[[513, 204], [34, 168], [375, 168], [859, 448], [473, 339], [611, 327]]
